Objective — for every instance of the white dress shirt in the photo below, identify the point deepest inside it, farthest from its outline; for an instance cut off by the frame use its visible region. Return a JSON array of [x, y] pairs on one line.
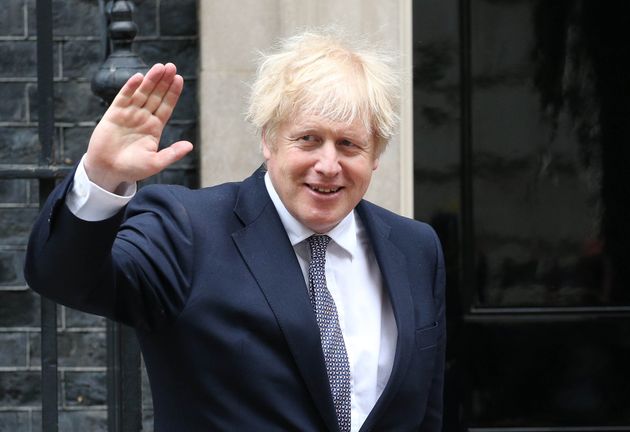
[[90, 202], [353, 278]]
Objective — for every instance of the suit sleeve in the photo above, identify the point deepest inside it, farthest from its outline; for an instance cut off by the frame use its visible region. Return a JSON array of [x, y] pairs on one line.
[[433, 416], [134, 267]]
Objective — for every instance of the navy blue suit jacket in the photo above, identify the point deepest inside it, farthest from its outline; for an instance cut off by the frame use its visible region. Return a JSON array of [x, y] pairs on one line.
[[211, 283]]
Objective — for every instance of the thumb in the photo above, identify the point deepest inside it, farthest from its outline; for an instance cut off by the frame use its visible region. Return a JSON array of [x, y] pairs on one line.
[[172, 154]]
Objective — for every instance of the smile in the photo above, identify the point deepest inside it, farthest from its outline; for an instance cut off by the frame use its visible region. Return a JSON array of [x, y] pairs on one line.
[[324, 189]]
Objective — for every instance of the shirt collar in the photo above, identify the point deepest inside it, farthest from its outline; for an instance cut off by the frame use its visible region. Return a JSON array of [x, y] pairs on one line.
[[344, 233]]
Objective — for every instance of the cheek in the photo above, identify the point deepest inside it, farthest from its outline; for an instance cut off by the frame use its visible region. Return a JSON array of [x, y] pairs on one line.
[[289, 174], [363, 175], [296, 165]]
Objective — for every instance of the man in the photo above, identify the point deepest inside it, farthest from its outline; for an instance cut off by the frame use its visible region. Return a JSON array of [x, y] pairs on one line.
[[281, 303]]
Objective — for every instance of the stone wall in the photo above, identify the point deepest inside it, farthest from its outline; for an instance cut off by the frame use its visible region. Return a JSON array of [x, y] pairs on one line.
[[167, 32]]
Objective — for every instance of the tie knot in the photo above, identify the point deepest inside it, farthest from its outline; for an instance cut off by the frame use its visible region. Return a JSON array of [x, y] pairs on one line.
[[318, 245]]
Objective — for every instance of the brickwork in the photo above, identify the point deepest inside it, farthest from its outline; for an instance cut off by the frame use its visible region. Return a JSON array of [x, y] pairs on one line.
[[167, 32]]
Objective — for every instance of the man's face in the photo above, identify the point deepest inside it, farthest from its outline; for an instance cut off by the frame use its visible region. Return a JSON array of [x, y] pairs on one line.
[[320, 168]]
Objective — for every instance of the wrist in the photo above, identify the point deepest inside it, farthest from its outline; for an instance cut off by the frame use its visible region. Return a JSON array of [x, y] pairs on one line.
[[101, 176]]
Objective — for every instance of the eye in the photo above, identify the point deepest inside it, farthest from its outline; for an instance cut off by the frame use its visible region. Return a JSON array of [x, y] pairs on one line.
[[308, 138], [346, 143]]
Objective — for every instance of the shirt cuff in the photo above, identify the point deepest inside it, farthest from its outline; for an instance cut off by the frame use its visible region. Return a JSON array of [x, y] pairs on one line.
[[90, 202]]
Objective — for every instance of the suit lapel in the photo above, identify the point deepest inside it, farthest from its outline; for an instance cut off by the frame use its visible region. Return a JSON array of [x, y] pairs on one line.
[[267, 251], [392, 264]]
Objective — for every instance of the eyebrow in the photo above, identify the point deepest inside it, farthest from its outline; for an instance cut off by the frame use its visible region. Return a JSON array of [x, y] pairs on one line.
[[310, 126]]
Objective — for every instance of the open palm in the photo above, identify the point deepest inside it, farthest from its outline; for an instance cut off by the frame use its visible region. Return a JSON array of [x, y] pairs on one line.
[[124, 144]]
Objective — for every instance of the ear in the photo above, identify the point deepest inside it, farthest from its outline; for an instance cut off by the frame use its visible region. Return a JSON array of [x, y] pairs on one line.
[[376, 151], [265, 146]]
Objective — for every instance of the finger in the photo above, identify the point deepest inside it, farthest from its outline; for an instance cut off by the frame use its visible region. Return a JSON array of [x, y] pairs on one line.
[[151, 79], [171, 154], [128, 89], [164, 111], [156, 96]]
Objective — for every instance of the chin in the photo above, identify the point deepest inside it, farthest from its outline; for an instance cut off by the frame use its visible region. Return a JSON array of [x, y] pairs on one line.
[[322, 226]]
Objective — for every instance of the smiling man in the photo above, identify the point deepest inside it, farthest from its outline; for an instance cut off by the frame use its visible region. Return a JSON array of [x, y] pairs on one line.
[[284, 302], [320, 168]]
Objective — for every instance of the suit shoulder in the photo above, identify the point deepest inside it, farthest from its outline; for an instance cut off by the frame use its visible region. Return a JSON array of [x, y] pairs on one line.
[[401, 225], [186, 193], [182, 203], [160, 194], [415, 239]]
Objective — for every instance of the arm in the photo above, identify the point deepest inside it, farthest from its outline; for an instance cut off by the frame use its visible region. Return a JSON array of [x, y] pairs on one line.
[[137, 271], [90, 202], [70, 260]]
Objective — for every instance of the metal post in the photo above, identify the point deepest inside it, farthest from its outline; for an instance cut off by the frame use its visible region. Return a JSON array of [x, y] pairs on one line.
[[50, 414]]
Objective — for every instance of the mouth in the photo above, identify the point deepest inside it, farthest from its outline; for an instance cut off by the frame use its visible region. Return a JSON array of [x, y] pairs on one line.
[[324, 189]]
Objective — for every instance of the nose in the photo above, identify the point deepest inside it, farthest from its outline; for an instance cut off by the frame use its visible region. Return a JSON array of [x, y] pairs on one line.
[[328, 160]]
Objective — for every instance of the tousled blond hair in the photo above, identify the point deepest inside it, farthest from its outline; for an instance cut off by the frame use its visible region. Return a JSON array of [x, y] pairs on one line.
[[323, 73]]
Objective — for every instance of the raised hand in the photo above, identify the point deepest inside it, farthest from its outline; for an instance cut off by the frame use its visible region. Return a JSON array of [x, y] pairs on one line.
[[124, 144]]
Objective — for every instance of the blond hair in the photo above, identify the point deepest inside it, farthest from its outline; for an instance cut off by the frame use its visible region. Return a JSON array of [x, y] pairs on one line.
[[323, 73]]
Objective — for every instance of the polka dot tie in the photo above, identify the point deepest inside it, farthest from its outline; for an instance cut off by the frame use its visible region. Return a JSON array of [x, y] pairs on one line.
[[335, 355]]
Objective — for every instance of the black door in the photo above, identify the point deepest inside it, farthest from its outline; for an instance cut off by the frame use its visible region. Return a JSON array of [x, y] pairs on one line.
[[522, 163]]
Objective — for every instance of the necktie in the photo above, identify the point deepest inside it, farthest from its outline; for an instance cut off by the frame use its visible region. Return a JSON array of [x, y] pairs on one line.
[[335, 355]]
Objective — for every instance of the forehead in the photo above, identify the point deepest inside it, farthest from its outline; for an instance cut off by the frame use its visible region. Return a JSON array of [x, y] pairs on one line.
[[305, 122]]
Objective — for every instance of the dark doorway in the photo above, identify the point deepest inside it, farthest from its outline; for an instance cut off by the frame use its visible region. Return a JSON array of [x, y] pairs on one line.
[[522, 147]]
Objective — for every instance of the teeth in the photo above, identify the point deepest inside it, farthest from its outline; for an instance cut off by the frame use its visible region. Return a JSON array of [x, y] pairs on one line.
[[323, 190]]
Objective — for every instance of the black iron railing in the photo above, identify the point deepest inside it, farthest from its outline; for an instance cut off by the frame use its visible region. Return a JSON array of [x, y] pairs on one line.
[[123, 360]]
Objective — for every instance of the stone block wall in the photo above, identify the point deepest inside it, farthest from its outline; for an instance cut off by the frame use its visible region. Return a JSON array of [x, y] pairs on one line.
[[167, 32]]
